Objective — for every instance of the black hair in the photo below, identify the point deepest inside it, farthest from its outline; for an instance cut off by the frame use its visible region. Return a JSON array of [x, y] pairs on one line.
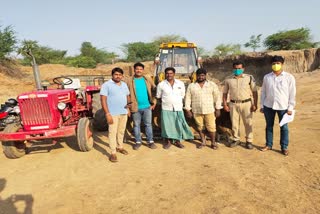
[[138, 64], [277, 59], [117, 69], [201, 71], [238, 63], [169, 69]]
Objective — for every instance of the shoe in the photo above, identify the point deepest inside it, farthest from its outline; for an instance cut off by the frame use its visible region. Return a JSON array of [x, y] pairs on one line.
[[152, 145], [167, 145], [113, 158], [285, 152], [199, 146], [234, 143], [214, 146], [179, 145], [266, 148], [249, 145], [136, 146], [122, 151]]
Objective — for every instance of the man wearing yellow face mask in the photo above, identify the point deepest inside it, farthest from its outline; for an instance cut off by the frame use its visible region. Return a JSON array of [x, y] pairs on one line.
[[241, 88], [278, 94]]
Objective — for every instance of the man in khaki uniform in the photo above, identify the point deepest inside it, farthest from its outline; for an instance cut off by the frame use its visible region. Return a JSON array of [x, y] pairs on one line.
[[241, 87]]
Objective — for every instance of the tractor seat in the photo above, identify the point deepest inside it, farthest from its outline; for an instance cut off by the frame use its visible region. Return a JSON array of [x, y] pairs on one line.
[[74, 85]]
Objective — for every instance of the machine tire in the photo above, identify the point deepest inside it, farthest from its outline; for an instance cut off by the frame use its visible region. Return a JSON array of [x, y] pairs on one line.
[[84, 135], [100, 121], [96, 104], [13, 149]]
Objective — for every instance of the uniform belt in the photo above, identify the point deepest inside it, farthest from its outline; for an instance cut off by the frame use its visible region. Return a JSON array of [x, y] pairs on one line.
[[241, 101]]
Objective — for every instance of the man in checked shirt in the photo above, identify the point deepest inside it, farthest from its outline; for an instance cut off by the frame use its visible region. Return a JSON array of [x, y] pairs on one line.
[[203, 102]]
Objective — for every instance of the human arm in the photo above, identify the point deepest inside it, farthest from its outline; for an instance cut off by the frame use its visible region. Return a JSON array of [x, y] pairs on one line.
[[255, 101], [292, 95], [225, 104], [153, 94], [187, 102], [263, 93], [225, 96], [253, 88], [128, 106], [217, 100], [105, 108]]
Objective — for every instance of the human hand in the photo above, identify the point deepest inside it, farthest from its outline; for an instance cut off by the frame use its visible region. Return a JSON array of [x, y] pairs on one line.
[[129, 113], [289, 112], [261, 110], [226, 108], [253, 108], [217, 113], [189, 114], [129, 105], [109, 118], [153, 107]]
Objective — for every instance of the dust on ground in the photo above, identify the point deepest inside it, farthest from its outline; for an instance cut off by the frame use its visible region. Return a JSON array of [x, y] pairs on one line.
[[229, 180]]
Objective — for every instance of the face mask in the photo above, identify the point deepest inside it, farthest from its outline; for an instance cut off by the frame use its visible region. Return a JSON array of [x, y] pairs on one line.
[[276, 67], [238, 71]]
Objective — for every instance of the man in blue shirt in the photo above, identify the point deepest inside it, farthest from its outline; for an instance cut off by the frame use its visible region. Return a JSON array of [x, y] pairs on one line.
[[115, 101], [141, 88]]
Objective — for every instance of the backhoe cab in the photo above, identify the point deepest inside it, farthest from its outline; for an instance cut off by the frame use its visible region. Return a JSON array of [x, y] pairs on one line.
[[182, 56]]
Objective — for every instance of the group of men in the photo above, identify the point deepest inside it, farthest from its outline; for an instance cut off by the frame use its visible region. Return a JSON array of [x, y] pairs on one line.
[[200, 101]]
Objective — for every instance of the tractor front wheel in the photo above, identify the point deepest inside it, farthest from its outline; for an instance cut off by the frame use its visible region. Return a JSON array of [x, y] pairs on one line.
[[13, 149], [84, 135]]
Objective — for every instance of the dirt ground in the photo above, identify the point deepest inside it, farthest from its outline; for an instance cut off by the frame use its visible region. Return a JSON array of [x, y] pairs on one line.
[[65, 180]]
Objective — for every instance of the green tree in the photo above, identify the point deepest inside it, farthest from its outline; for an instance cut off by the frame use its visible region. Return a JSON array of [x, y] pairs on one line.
[[140, 51], [254, 42], [43, 54], [203, 53], [227, 49], [290, 40], [100, 56], [81, 62], [7, 41]]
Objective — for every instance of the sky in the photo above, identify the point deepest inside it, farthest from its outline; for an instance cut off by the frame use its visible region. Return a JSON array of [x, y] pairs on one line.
[[107, 24]]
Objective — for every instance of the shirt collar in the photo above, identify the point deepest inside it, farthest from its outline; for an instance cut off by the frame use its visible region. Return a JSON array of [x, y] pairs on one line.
[[169, 83], [115, 82], [281, 74]]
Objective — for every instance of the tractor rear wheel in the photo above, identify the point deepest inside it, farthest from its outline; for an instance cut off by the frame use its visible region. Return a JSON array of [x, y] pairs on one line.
[[100, 121], [99, 117], [96, 104], [84, 135], [13, 149]]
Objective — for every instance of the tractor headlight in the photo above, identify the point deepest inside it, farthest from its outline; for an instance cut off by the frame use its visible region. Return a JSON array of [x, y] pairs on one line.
[[62, 106]]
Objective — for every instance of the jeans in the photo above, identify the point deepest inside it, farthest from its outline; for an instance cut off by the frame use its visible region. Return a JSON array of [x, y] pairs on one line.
[[269, 115], [146, 115]]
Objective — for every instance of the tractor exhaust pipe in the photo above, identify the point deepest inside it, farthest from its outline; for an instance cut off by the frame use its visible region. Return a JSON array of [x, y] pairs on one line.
[[36, 72]]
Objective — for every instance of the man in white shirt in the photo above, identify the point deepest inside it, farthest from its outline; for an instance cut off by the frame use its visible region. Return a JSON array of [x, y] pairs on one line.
[[174, 127], [278, 94]]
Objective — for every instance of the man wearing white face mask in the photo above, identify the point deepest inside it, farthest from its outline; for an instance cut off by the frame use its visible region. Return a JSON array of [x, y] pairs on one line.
[[241, 88], [278, 94]]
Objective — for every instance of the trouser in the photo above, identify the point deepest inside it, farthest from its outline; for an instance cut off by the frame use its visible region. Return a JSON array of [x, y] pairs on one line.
[[205, 121], [116, 132], [269, 115], [146, 116], [241, 111]]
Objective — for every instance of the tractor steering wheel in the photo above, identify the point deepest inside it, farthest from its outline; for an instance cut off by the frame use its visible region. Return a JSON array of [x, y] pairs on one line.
[[62, 81]]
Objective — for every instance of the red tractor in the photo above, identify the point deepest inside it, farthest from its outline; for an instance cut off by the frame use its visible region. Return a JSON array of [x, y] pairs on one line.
[[54, 114]]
